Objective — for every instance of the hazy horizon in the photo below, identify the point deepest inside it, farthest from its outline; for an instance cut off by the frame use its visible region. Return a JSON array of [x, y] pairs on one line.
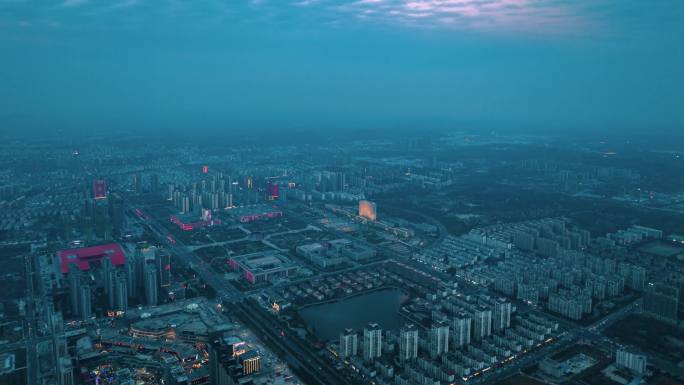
[[539, 65]]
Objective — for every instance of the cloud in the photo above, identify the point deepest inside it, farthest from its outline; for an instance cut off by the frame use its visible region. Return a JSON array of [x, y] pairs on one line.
[[126, 3], [466, 13], [536, 16], [73, 3]]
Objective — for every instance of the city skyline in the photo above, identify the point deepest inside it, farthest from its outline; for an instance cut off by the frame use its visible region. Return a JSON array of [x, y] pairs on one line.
[[341, 192]]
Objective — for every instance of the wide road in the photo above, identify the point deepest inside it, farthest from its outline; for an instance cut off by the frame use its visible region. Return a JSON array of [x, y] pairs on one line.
[[266, 326], [32, 363], [181, 252], [300, 355], [591, 333]]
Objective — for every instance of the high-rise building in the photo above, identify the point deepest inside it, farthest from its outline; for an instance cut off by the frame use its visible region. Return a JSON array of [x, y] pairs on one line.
[[408, 343], [120, 292], [60, 355], [637, 278], [438, 339], [631, 360], [163, 268], [185, 204], [74, 289], [116, 210], [547, 247], [137, 183], [367, 210], [108, 275], [482, 323], [372, 342], [272, 190], [524, 240], [501, 318], [223, 366], [461, 330], [340, 181], [84, 302], [105, 266], [132, 277], [56, 325], [144, 255], [99, 189], [251, 362], [147, 252], [662, 301], [65, 371], [151, 284], [349, 343], [214, 201], [154, 183]]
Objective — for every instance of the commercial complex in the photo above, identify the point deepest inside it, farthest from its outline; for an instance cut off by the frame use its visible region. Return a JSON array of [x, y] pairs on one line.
[[263, 267]]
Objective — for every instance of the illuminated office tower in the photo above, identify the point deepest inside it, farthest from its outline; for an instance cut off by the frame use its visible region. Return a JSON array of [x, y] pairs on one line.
[[251, 362], [367, 210]]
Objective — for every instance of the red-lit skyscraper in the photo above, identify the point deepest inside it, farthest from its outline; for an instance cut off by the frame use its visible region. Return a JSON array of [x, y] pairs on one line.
[[99, 189], [273, 190], [205, 169]]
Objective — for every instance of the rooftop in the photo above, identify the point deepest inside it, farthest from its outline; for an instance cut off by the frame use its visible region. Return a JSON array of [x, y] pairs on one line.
[[82, 257]]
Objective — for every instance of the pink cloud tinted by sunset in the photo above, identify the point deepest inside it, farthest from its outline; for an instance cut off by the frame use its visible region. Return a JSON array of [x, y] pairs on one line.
[[519, 14]]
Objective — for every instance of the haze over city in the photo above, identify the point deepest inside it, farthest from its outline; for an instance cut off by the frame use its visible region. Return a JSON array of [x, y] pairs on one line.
[[331, 64], [329, 192]]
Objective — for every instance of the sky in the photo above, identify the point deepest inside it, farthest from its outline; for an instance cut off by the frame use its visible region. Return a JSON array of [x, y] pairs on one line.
[[333, 64]]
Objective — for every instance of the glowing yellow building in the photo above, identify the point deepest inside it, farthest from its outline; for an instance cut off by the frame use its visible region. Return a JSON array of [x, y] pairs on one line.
[[367, 210]]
